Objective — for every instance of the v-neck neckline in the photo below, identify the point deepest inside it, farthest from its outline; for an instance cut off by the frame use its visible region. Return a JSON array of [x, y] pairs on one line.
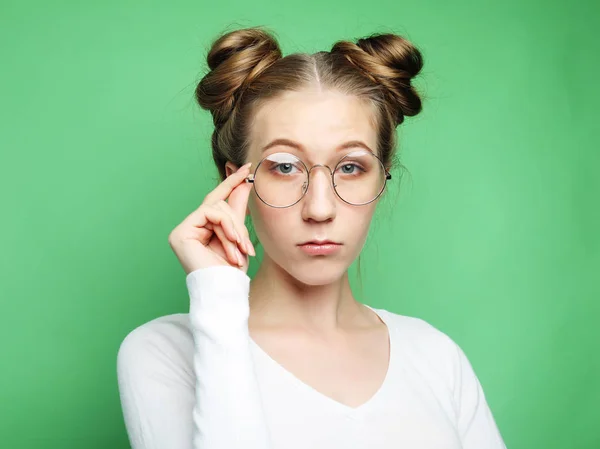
[[348, 411]]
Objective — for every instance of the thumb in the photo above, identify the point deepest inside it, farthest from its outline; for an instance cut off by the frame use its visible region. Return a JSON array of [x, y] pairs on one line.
[[238, 200]]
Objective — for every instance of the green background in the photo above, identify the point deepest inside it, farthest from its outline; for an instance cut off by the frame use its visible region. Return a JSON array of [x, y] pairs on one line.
[[494, 237]]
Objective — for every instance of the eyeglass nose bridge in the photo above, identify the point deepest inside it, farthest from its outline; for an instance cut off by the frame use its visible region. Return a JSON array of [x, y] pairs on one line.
[[251, 179], [307, 182]]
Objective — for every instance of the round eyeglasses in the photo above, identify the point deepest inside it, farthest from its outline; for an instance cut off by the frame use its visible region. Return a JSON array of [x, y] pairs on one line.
[[282, 179]]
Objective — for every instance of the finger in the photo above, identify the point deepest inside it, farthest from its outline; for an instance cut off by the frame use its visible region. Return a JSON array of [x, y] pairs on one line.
[[244, 242], [223, 190], [210, 214], [223, 219], [238, 201], [234, 255]]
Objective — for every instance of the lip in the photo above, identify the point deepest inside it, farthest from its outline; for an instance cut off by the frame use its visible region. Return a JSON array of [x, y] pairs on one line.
[[320, 247], [320, 242]]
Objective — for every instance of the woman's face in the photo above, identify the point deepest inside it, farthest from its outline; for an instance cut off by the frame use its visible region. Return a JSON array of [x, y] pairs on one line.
[[318, 122]]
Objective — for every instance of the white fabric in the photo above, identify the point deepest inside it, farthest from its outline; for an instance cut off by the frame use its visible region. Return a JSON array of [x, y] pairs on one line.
[[198, 381]]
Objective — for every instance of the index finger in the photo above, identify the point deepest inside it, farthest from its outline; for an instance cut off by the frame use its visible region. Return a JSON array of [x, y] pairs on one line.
[[223, 190], [238, 200]]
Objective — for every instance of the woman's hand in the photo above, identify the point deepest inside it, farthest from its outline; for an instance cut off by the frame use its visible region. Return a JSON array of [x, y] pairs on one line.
[[215, 234]]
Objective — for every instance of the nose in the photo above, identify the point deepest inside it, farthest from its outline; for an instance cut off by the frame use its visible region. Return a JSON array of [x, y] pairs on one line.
[[320, 202]]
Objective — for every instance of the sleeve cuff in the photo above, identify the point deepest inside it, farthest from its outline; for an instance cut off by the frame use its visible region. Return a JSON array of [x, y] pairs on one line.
[[218, 294]]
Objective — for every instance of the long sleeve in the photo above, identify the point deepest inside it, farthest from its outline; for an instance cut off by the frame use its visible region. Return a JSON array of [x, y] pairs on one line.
[[476, 425], [190, 383], [228, 410]]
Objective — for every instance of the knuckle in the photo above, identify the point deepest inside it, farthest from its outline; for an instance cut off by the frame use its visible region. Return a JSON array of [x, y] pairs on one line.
[[222, 204], [207, 199], [211, 209], [201, 210], [173, 237]]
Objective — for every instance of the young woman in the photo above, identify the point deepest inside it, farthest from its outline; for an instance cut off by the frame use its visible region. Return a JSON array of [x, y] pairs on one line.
[[290, 359]]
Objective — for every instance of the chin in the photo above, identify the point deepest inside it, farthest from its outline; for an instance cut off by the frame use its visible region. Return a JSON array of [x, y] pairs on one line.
[[315, 272]]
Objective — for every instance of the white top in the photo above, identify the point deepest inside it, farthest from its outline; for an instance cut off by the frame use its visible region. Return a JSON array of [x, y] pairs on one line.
[[199, 381]]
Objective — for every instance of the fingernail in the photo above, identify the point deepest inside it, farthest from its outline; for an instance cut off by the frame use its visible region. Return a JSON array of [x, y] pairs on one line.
[[250, 248], [240, 258], [237, 236]]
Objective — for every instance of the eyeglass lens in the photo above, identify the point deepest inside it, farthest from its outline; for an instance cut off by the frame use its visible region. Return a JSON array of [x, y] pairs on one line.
[[281, 179]]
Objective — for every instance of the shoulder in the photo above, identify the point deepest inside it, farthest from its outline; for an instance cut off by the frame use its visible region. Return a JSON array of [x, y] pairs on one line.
[[168, 329], [163, 343], [417, 331], [423, 344]]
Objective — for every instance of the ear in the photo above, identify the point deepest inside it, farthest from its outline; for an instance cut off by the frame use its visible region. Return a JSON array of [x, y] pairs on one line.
[[230, 168]]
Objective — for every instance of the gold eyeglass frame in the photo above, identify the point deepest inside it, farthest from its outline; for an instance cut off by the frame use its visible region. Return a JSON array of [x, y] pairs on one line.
[[251, 178]]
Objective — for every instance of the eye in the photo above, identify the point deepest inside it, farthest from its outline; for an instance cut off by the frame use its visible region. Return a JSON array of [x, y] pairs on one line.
[[284, 168], [350, 169]]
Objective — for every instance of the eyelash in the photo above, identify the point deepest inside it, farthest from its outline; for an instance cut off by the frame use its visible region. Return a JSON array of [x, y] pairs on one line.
[[351, 164], [276, 166]]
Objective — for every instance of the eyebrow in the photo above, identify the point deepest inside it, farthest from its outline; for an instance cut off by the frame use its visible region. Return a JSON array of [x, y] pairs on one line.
[[300, 147]]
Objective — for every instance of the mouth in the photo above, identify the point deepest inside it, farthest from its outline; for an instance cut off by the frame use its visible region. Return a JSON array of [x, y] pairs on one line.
[[320, 247]]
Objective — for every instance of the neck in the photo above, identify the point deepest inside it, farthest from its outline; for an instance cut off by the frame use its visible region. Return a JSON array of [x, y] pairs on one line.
[[277, 299]]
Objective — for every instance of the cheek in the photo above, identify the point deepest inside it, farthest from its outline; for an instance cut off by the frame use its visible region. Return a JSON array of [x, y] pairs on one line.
[[271, 224], [359, 221], [275, 227]]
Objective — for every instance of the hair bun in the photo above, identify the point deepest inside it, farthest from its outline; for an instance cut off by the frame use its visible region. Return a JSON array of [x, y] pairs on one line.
[[392, 61], [234, 60]]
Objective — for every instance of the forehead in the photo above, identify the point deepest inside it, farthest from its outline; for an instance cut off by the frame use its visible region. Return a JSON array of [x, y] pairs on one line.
[[318, 120]]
